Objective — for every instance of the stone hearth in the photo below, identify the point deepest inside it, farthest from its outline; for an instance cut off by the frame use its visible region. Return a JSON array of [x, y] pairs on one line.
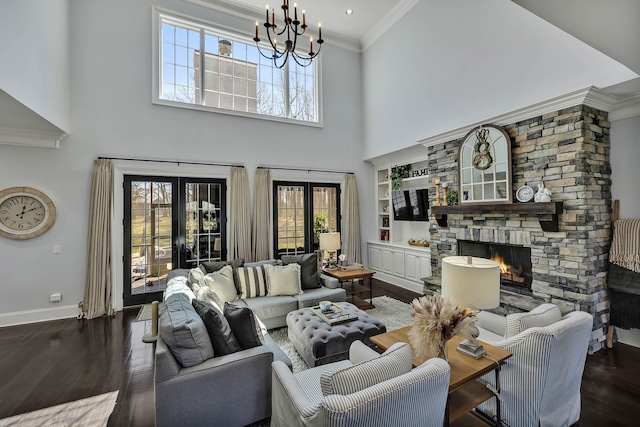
[[569, 151]]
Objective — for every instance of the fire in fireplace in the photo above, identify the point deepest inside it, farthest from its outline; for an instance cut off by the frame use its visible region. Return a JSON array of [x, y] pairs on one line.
[[515, 262]]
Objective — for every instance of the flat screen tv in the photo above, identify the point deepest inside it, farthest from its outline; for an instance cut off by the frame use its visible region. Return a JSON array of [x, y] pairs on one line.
[[410, 205]]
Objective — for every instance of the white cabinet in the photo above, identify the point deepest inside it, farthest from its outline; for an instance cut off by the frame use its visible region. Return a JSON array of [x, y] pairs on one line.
[[393, 261], [399, 264], [417, 265]]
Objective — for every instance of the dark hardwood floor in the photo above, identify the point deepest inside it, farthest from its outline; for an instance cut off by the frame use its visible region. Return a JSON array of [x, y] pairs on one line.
[[45, 364]]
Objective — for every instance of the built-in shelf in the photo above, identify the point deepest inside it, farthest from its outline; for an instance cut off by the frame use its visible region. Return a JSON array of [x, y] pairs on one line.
[[547, 213]]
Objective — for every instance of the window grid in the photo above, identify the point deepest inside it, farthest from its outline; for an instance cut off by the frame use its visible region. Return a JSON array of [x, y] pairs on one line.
[[232, 75]]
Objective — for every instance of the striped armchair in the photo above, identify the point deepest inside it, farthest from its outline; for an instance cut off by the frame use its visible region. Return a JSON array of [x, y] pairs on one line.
[[540, 383], [368, 390]]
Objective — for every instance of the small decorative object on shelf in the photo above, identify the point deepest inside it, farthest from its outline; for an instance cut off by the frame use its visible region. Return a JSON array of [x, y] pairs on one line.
[[543, 195], [385, 221], [398, 173], [453, 198], [445, 196], [419, 242], [437, 201], [524, 194], [435, 320]]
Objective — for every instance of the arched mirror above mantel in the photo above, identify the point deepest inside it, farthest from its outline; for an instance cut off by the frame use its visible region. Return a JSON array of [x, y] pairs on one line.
[[484, 166]]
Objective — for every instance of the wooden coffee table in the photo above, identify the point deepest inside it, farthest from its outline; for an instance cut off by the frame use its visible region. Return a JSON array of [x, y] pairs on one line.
[[465, 393], [356, 290]]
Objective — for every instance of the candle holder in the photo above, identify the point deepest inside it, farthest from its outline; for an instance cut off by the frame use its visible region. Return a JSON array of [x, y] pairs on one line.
[[445, 194], [437, 201]]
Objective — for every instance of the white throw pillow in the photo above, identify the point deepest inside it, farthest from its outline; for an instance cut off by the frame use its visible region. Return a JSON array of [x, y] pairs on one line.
[[542, 315], [221, 282], [204, 293], [196, 276], [283, 280], [178, 285]]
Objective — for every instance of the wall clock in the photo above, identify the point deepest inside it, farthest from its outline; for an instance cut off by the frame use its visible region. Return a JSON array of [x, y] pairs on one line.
[[524, 194], [25, 213]]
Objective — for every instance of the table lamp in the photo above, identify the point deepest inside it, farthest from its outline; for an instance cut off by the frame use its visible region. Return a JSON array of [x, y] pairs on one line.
[[330, 242], [471, 282]]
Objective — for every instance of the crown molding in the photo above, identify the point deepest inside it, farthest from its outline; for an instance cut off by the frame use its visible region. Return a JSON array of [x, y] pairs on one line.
[[253, 13], [30, 138], [617, 107], [387, 22]]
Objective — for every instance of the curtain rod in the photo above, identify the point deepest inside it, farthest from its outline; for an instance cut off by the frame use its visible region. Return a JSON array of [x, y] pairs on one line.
[[304, 169], [178, 162]]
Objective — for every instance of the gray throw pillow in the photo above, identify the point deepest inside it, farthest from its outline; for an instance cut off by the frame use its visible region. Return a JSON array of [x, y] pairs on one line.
[[210, 267], [244, 325], [309, 275], [184, 332], [220, 333]]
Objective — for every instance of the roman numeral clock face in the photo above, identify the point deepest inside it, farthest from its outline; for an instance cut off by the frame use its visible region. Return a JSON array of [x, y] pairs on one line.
[[25, 213]]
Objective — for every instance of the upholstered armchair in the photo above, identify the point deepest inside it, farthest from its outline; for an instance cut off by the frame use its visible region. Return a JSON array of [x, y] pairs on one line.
[[540, 383], [367, 390]]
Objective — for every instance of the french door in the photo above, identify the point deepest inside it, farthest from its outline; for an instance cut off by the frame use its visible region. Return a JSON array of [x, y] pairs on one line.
[[169, 222], [301, 211]]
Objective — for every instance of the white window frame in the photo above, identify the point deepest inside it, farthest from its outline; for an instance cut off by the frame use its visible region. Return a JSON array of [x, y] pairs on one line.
[[233, 34]]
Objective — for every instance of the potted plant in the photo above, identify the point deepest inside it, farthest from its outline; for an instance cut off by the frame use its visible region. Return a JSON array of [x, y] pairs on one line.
[[398, 173]]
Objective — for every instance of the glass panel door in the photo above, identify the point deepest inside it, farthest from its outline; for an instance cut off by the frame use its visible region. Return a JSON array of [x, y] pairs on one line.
[[150, 229], [169, 223]]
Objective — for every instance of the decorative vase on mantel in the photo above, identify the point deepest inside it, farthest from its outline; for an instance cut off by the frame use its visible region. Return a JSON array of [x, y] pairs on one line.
[[434, 321]]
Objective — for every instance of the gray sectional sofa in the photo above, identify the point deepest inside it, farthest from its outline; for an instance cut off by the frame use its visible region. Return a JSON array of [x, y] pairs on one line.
[[232, 389]]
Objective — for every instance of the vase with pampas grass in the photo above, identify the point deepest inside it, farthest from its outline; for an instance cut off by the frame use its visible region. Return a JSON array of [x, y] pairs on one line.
[[434, 321]]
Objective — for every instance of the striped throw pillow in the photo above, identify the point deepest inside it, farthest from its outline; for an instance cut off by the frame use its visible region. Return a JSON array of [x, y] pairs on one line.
[[251, 282]]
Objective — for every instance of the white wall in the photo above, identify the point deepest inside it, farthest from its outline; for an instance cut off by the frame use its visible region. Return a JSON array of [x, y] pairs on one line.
[[34, 52], [112, 115], [625, 176], [449, 64]]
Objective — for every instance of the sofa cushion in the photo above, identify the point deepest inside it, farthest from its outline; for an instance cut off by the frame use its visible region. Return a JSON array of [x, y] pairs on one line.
[[390, 364], [542, 315], [212, 266], [221, 282], [309, 274], [220, 333], [272, 307], [312, 297], [184, 332], [264, 262], [244, 325], [251, 282], [283, 280]]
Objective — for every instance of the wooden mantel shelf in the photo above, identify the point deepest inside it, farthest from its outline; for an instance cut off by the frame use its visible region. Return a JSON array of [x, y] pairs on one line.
[[547, 213]]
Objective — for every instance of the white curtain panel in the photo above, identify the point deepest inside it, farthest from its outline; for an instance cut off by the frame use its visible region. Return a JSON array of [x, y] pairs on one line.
[[351, 240], [97, 293], [240, 215], [261, 215]]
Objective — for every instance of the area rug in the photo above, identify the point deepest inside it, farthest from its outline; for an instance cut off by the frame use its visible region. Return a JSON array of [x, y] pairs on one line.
[[393, 313], [145, 312], [92, 411]]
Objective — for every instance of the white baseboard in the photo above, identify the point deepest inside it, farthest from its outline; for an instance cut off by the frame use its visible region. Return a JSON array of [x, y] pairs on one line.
[[39, 315]]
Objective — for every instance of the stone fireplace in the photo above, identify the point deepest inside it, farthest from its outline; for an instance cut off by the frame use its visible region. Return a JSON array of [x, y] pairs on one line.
[[569, 151]]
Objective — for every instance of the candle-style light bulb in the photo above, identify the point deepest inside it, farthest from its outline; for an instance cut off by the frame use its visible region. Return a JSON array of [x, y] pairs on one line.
[[295, 11], [256, 29], [304, 18], [310, 45], [319, 31], [267, 18]]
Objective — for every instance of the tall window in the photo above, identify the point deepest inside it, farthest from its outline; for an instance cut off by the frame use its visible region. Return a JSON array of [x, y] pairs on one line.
[[302, 211], [199, 65]]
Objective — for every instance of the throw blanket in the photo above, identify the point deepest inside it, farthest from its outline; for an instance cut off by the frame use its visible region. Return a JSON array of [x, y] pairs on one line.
[[624, 297], [625, 248]]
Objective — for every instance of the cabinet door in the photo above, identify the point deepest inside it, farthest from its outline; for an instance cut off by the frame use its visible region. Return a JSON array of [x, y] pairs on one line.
[[387, 261], [425, 266], [375, 258], [398, 263], [412, 266]]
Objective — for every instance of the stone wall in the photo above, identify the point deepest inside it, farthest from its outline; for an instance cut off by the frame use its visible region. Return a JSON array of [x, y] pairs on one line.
[[569, 151]]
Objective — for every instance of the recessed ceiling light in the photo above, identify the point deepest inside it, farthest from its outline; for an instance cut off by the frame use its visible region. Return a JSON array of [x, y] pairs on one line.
[[349, 12]]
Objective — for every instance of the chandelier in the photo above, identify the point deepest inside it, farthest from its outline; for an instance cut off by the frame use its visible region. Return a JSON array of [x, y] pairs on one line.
[[292, 29]]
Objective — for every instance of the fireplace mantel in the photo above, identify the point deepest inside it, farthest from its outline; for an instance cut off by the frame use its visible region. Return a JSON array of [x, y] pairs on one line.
[[547, 213]]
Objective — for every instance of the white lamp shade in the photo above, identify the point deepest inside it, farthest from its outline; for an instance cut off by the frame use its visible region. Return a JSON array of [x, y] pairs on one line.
[[330, 241], [475, 284]]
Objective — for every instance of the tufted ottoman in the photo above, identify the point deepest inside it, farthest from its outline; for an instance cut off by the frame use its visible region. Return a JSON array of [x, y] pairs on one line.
[[319, 343]]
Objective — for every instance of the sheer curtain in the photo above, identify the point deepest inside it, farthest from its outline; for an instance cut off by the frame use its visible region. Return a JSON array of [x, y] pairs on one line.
[[261, 215], [97, 299], [240, 215], [351, 240]]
